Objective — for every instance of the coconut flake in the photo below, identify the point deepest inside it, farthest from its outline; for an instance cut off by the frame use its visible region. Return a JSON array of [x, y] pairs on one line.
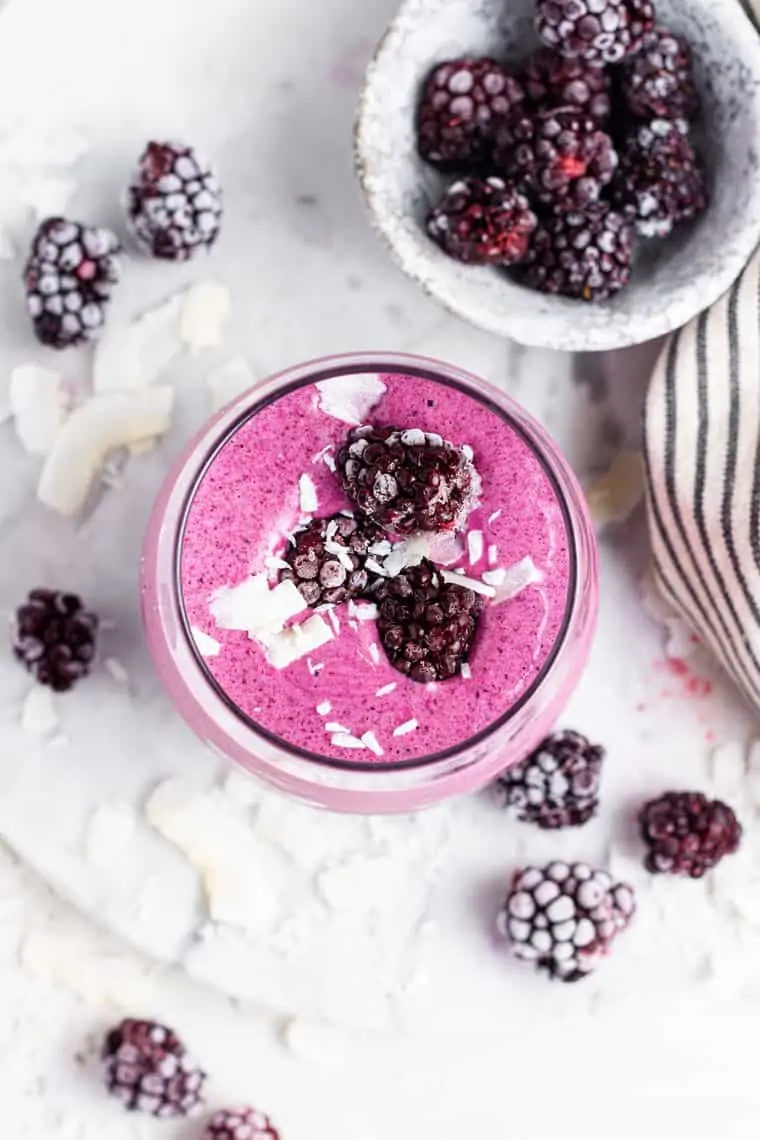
[[405, 728], [456, 578], [334, 620], [254, 607], [615, 496], [228, 381], [289, 645], [494, 577], [363, 611], [496, 515], [116, 670], [133, 356], [374, 652], [109, 831], [465, 671], [314, 667], [475, 546], [207, 646], [370, 741], [39, 716], [493, 554], [335, 726], [516, 579], [350, 399], [37, 401], [307, 495], [345, 740], [324, 708], [386, 689], [90, 433], [205, 311]]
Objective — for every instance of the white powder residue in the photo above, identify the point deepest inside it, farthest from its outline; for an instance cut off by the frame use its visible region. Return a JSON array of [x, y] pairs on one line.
[[350, 399], [405, 728], [307, 493]]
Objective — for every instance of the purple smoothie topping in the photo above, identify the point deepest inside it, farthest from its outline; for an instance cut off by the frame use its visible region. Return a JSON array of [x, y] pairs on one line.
[[322, 677]]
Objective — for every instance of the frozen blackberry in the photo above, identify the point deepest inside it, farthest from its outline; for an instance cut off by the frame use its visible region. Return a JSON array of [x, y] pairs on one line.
[[661, 181], [586, 255], [565, 917], [558, 784], [687, 833], [482, 221], [462, 102], [559, 156], [69, 278], [174, 204], [658, 82], [407, 480], [240, 1124], [148, 1069], [426, 624], [327, 559], [598, 31], [54, 637], [553, 80]]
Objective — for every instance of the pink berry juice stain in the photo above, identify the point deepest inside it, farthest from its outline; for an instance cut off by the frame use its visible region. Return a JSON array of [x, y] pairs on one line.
[[245, 505]]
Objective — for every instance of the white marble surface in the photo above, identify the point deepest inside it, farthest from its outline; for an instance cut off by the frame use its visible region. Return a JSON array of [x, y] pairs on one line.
[[475, 1046]]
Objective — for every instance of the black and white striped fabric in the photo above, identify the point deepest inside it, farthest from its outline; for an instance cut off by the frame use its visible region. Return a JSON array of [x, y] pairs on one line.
[[702, 453]]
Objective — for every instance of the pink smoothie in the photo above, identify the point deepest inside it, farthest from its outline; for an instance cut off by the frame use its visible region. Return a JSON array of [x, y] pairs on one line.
[[248, 501]]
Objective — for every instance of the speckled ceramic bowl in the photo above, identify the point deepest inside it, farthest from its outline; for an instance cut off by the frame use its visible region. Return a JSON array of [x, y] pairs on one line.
[[673, 279]]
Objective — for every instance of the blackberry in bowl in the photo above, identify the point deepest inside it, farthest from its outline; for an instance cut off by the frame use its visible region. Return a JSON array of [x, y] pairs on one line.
[[590, 76]]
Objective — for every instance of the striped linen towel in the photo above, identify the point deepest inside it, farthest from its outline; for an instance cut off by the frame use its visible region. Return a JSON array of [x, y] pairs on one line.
[[702, 454]]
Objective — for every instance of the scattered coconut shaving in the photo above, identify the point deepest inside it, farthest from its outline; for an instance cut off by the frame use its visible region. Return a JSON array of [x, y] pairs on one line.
[[384, 690], [516, 579], [307, 493], [494, 577], [90, 433], [345, 740], [374, 652], [370, 741], [405, 728], [324, 708], [206, 308], [39, 715], [363, 611], [350, 399], [116, 670], [493, 554], [335, 726], [465, 671], [475, 546], [38, 403], [496, 515], [207, 646], [289, 645], [615, 496], [254, 607], [133, 356], [314, 667], [474, 584], [228, 381]]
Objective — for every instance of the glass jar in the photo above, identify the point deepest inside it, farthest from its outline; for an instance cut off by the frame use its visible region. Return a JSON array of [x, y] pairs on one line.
[[349, 785]]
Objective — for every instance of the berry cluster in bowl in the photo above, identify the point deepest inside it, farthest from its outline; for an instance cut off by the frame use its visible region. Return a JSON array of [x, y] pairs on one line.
[[565, 163]]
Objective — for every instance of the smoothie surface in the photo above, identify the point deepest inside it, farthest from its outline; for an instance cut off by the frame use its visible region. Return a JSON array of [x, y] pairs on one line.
[[251, 498]]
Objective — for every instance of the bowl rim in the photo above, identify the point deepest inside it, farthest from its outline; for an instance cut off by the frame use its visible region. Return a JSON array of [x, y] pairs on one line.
[[623, 333]]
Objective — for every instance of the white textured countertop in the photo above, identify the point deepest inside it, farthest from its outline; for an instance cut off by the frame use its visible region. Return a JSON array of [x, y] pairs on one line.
[[665, 1041]]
